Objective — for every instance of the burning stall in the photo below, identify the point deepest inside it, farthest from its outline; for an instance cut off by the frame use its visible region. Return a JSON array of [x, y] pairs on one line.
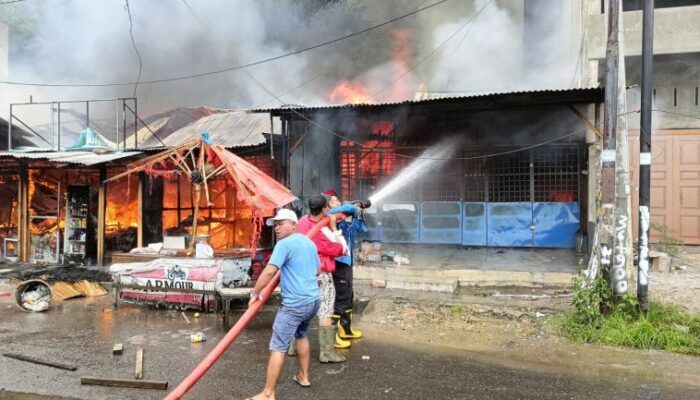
[[229, 198], [496, 170]]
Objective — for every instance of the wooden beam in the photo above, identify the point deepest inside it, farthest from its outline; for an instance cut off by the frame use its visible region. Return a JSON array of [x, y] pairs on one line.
[[41, 362], [139, 229], [138, 371], [101, 214], [588, 123], [93, 380], [23, 228]]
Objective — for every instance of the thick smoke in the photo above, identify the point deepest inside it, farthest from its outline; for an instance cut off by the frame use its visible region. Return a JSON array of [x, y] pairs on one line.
[[86, 41]]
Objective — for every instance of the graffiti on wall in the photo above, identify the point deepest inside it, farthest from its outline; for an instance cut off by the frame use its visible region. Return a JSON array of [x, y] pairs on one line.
[[618, 274], [644, 245]]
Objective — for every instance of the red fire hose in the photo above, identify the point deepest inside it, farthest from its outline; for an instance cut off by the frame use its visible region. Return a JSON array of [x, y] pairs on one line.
[[224, 344], [236, 330]]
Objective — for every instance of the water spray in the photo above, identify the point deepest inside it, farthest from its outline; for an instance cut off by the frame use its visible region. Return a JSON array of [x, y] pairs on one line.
[[433, 157]]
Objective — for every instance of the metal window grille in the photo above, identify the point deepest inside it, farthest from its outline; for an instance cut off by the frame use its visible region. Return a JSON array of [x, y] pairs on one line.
[[556, 174], [553, 175], [475, 173], [509, 178]]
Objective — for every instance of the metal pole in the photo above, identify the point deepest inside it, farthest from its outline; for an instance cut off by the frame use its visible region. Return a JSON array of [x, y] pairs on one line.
[[124, 121], [645, 154], [87, 114], [616, 274], [136, 125], [9, 131], [58, 132]]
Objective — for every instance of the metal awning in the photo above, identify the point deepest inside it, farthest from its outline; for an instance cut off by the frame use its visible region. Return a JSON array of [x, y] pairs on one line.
[[70, 157]]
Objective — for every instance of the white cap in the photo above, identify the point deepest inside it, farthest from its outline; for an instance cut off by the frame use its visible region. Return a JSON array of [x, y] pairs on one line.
[[281, 215]]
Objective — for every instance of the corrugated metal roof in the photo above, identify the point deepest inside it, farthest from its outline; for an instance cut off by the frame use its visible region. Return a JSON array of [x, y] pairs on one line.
[[69, 157], [428, 98], [229, 128]]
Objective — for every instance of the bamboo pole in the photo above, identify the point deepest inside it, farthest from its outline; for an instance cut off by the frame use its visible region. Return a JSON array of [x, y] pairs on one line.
[[101, 223], [139, 230], [195, 214]]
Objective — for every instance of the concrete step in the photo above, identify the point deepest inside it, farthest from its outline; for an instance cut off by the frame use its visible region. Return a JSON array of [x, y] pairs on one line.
[[448, 280]]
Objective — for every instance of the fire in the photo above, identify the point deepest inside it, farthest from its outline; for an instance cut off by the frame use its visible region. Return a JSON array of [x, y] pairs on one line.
[[351, 92], [122, 211]]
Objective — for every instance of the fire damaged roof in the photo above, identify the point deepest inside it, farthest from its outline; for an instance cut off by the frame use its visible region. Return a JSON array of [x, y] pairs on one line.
[[481, 101], [229, 128], [87, 158]]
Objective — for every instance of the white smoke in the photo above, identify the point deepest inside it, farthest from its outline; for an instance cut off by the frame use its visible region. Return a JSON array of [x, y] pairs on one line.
[[87, 41]]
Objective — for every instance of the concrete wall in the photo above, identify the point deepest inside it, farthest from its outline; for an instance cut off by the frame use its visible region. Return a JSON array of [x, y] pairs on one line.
[[676, 30]]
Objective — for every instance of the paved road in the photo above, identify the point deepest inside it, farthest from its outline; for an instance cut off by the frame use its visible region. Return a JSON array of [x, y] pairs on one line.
[[82, 331]]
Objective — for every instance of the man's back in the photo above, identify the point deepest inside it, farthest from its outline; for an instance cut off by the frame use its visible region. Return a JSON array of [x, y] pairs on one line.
[[296, 257]]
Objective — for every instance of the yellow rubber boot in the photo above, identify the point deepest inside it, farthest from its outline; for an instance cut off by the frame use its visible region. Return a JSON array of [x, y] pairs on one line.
[[339, 343], [345, 330]]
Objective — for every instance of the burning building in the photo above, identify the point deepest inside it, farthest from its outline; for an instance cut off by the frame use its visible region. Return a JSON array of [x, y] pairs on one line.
[[491, 170], [65, 205]]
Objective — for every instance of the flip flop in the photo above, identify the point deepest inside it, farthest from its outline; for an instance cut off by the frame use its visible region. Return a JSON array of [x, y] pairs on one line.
[[295, 379]]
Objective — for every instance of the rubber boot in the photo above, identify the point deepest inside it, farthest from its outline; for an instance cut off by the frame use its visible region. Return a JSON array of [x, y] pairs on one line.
[[326, 339], [339, 343], [292, 350], [345, 330]]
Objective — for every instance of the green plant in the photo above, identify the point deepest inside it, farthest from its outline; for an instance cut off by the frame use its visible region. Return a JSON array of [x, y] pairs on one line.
[[590, 301], [456, 309], [668, 241], [664, 327]]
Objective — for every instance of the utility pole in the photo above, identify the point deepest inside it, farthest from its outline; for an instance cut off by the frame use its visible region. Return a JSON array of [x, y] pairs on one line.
[[615, 270], [645, 154]]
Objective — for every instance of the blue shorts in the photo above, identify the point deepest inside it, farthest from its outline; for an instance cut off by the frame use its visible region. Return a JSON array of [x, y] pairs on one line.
[[292, 322]]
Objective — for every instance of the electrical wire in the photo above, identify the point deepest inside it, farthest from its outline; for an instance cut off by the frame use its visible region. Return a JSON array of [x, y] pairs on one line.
[[469, 22], [237, 66], [580, 50], [10, 2], [136, 50]]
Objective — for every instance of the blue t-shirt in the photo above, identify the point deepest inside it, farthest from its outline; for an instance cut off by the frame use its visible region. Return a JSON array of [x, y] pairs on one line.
[[297, 258]]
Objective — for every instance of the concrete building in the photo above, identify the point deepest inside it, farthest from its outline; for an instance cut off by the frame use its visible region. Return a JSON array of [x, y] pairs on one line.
[[675, 192]]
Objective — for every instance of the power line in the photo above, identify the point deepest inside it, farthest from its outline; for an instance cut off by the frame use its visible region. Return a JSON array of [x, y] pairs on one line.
[[237, 66], [133, 43], [580, 50], [10, 2]]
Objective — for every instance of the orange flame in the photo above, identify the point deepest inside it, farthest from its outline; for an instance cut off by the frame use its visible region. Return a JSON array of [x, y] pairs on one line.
[[351, 92]]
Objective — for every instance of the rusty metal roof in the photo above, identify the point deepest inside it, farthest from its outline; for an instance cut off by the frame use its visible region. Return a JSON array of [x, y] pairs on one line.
[[69, 157], [481, 100], [229, 128]]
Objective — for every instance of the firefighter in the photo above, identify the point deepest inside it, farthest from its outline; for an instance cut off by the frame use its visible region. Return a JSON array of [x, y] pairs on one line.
[[329, 247], [348, 229]]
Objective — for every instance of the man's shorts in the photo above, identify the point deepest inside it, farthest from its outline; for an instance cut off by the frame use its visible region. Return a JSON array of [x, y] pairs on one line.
[[291, 322], [327, 288]]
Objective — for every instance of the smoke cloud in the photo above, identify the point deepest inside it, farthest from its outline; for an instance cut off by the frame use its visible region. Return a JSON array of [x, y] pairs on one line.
[[85, 41]]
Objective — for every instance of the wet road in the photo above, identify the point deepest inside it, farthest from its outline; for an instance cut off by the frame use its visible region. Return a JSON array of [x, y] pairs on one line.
[[82, 332]]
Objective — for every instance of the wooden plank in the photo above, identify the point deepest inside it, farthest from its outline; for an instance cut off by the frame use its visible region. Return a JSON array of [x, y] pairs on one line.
[[41, 362], [185, 317], [117, 349], [138, 372], [93, 380]]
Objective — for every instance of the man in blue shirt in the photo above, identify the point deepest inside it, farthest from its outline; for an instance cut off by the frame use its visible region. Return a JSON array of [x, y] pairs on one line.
[[296, 258]]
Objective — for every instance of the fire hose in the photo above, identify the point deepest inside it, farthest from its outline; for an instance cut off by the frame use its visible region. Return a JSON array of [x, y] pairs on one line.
[[237, 329]]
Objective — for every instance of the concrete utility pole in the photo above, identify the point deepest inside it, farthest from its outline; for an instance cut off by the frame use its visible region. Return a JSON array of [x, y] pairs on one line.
[[607, 227], [645, 154]]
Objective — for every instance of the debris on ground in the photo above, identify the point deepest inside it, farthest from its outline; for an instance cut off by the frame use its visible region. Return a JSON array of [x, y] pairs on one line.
[[40, 362], [34, 295], [66, 290], [198, 337], [117, 349]]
